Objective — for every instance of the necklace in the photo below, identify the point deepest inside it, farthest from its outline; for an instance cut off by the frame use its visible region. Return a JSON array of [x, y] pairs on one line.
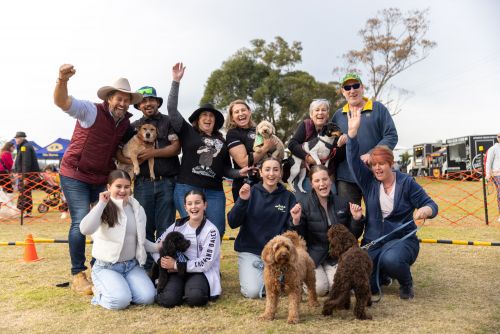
[[390, 186]]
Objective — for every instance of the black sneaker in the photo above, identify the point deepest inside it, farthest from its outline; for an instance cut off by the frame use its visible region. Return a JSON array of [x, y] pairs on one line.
[[406, 292]]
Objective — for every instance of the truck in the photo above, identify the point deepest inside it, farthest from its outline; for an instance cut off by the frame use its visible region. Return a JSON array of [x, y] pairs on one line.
[[463, 154], [421, 158]]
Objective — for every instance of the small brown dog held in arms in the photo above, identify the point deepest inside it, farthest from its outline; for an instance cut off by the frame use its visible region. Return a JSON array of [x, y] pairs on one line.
[[145, 138], [265, 130], [353, 272], [287, 265]]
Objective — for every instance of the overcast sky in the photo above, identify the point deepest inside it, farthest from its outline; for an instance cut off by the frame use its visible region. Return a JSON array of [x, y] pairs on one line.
[[453, 90]]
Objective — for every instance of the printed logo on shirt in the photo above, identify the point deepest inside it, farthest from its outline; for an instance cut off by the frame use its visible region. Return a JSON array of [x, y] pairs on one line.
[[251, 135], [207, 152], [280, 207]]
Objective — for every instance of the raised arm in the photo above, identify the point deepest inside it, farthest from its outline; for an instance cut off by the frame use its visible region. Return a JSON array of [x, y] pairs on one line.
[[359, 170], [173, 97], [61, 97]]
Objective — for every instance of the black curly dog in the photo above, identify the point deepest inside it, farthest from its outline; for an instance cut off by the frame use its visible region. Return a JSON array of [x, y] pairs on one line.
[[173, 243]]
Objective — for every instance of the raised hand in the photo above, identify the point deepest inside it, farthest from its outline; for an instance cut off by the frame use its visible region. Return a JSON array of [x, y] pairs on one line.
[[66, 71], [353, 122], [178, 71], [296, 212], [104, 196], [245, 192], [356, 211]]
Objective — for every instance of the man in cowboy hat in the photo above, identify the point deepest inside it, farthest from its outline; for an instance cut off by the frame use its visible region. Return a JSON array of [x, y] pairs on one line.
[[157, 196], [27, 164], [88, 160]]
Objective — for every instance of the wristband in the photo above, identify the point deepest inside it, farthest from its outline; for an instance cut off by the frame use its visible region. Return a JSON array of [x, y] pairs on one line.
[[250, 159]]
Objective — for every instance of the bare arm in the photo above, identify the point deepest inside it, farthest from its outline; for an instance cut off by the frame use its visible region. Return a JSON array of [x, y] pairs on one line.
[[61, 97]]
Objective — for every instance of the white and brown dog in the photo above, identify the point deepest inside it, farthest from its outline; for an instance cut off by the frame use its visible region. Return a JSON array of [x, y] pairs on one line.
[[145, 138], [266, 130], [319, 148]]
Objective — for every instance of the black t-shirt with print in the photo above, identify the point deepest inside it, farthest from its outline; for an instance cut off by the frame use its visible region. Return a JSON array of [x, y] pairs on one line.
[[238, 136], [203, 158]]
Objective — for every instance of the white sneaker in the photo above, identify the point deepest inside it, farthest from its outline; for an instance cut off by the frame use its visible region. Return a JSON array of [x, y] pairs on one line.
[[498, 220], [64, 215]]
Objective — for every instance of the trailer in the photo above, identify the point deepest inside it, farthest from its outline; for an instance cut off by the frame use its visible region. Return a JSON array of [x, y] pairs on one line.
[[421, 158], [463, 154]]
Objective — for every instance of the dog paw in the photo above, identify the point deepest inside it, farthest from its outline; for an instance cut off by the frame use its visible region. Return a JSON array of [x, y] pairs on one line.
[[137, 170], [365, 317], [266, 316], [293, 320], [327, 312], [314, 303]]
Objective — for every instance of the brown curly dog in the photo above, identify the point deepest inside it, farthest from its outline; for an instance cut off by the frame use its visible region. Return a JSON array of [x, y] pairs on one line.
[[287, 266], [353, 272]]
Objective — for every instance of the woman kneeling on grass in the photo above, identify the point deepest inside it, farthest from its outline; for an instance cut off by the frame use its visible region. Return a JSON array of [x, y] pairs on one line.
[[117, 224], [391, 199], [201, 281]]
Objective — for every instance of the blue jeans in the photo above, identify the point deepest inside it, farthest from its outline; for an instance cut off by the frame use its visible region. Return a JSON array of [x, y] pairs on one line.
[[157, 199], [397, 257], [79, 195], [118, 284], [250, 269], [216, 204], [299, 195], [496, 181]]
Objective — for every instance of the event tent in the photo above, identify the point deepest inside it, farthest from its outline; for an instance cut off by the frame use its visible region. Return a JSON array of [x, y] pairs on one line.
[[54, 150]]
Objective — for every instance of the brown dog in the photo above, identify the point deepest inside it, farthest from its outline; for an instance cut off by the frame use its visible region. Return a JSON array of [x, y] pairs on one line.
[[145, 138], [353, 272], [287, 265], [266, 130]]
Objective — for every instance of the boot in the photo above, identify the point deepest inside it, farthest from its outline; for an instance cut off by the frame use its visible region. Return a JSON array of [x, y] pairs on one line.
[[81, 285]]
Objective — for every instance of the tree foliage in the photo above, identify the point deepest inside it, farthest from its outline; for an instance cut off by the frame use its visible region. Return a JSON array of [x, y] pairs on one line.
[[392, 42], [264, 76]]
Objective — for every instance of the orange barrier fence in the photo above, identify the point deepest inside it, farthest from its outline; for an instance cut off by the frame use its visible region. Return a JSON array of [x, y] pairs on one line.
[[38, 196]]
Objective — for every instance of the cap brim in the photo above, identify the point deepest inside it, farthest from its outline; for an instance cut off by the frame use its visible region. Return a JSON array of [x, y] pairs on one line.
[[136, 105], [103, 92]]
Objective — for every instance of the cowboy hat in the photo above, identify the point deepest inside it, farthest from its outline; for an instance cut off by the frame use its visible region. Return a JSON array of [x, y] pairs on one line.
[[120, 85], [148, 91], [219, 118]]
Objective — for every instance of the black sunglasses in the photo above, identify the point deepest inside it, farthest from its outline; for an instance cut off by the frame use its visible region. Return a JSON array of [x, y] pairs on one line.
[[355, 86]]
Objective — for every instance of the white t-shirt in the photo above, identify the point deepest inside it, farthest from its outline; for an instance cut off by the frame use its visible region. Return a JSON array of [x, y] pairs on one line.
[[386, 200]]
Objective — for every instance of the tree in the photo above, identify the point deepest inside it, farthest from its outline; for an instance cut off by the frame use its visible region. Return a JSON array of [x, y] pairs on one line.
[[392, 42], [264, 76]]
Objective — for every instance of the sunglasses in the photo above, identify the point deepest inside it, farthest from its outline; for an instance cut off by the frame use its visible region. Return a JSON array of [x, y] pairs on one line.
[[354, 86], [145, 91]]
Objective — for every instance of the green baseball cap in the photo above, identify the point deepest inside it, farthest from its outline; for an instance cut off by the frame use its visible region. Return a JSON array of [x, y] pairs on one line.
[[350, 76]]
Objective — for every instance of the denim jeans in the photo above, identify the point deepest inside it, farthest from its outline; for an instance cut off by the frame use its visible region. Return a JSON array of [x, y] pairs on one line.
[[157, 199], [216, 204], [299, 195], [397, 257], [118, 284], [79, 195], [250, 269], [496, 181]]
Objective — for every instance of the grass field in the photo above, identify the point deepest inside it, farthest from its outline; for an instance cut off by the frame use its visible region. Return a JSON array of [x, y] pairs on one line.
[[457, 291]]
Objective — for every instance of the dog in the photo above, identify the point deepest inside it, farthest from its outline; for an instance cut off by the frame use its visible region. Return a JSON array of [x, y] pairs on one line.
[[173, 245], [145, 138], [353, 273], [287, 265], [320, 149], [266, 130]]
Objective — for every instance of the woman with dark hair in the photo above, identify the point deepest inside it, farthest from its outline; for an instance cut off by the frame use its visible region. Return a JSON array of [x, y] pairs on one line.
[[261, 212], [205, 158], [240, 138], [117, 224], [201, 281], [320, 210], [391, 199], [6, 163]]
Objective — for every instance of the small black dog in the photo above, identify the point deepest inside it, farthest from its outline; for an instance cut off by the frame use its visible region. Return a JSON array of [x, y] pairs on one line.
[[174, 245]]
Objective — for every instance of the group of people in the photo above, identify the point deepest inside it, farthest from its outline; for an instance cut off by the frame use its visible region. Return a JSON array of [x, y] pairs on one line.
[[128, 230]]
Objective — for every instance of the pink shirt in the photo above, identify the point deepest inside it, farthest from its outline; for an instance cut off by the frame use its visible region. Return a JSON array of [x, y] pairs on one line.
[[7, 161]]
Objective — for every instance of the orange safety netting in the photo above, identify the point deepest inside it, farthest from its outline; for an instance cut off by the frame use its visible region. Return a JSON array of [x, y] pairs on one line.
[[458, 195]]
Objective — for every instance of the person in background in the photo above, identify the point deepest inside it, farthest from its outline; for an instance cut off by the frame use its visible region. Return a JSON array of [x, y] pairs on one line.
[[6, 164], [261, 212], [87, 162], [201, 281], [240, 138], [391, 198], [27, 165], [377, 128], [316, 215], [493, 168], [117, 224]]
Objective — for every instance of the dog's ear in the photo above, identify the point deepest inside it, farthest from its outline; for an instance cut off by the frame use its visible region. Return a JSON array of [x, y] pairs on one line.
[[294, 256], [267, 253]]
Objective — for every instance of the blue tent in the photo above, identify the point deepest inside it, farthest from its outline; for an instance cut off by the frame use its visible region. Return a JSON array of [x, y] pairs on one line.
[[35, 145], [54, 150]]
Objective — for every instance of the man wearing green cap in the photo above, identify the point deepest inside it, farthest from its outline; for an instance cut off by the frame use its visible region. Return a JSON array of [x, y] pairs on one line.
[[157, 196], [377, 128]]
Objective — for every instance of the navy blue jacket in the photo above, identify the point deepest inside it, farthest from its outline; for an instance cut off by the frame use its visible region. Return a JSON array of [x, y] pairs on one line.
[[377, 128], [260, 218], [408, 196]]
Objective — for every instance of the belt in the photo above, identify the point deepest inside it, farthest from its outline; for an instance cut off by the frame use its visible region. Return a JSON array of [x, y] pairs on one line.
[[147, 178]]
